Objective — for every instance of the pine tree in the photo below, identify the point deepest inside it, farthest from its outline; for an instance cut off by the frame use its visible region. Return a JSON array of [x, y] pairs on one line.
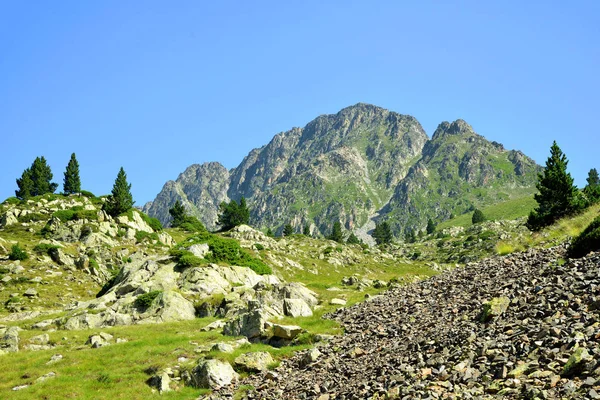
[[178, 214], [41, 175], [35, 180], [477, 217], [410, 236], [233, 214], [25, 185], [558, 196], [120, 199], [353, 239], [592, 189], [430, 226], [336, 232], [382, 233], [306, 230], [72, 183], [288, 230], [269, 232]]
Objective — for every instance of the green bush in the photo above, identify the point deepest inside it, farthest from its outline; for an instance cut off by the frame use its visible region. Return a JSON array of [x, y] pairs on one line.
[[152, 222], [91, 215], [190, 261], [587, 241], [32, 217], [12, 201], [259, 246], [87, 194], [140, 236], [328, 250], [17, 253], [64, 215], [192, 224], [145, 300], [44, 248]]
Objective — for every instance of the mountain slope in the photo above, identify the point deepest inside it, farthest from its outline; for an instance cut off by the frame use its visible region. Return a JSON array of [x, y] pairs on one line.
[[362, 163], [459, 170]]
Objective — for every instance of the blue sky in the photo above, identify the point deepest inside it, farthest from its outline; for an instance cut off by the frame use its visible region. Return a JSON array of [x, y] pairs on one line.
[[156, 86]]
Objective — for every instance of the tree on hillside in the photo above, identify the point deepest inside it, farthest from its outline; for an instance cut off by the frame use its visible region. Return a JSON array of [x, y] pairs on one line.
[[477, 217], [306, 230], [269, 232], [120, 199], [72, 182], [558, 196], [288, 230], [430, 227], [592, 189], [178, 214], [410, 236], [35, 180], [25, 185], [382, 233], [336, 232], [353, 239], [233, 214]]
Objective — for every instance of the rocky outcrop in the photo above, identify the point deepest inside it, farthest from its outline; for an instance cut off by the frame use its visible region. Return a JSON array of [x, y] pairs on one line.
[[212, 374], [429, 340]]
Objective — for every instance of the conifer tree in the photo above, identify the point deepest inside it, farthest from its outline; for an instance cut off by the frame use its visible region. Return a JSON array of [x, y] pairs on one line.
[[592, 189], [269, 232], [306, 230], [336, 232], [288, 230], [72, 182], [178, 214], [430, 227], [120, 199], [25, 185], [35, 180], [477, 217], [382, 233], [352, 239], [558, 196], [233, 214]]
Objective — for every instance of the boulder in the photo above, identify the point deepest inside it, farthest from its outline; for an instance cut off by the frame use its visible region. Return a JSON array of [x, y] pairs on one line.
[[212, 374], [251, 324], [7, 219], [310, 357], [30, 293], [166, 239], [296, 308], [170, 306], [254, 362], [576, 363], [199, 249], [59, 257], [137, 224], [9, 340], [287, 332], [160, 382], [494, 308], [337, 302], [297, 290], [100, 340], [223, 347]]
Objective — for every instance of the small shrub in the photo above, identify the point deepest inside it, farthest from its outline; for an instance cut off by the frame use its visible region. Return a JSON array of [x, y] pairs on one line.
[[87, 194], [190, 261], [91, 215], [587, 241], [17, 253], [487, 235], [121, 233], [44, 248], [64, 215], [339, 249], [477, 217], [144, 301], [192, 224], [152, 222], [94, 263], [259, 246], [32, 217], [12, 201], [328, 250], [503, 248]]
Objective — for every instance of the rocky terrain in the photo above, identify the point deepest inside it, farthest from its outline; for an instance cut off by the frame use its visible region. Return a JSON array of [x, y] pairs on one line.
[[520, 326], [363, 162]]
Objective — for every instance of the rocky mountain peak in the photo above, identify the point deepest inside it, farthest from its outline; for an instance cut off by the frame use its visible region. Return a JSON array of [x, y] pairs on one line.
[[458, 127]]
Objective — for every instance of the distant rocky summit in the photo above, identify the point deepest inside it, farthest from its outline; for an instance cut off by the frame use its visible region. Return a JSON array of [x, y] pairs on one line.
[[357, 166]]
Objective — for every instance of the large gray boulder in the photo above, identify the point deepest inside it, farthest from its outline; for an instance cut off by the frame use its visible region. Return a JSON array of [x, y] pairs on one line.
[[251, 324], [9, 340], [254, 362], [296, 308], [169, 306], [212, 374]]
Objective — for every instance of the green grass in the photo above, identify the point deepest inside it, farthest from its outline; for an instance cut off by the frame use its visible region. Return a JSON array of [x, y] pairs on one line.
[[116, 371], [507, 210]]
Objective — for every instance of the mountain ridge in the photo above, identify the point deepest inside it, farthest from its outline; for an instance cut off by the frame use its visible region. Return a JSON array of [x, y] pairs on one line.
[[351, 166]]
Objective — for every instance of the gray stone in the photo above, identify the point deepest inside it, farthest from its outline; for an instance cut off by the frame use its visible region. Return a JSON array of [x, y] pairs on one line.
[[286, 331], [296, 308], [254, 362], [199, 249], [9, 340], [223, 347], [30, 293], [212, 374]]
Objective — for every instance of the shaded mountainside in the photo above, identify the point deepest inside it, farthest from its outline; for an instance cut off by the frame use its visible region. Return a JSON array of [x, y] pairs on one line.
[[361, 162]]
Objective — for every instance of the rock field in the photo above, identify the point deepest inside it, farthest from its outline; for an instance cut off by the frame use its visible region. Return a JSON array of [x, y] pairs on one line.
[[521, 326]]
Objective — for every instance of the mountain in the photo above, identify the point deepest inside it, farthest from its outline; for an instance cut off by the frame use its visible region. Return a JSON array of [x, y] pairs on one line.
[[359, 165]]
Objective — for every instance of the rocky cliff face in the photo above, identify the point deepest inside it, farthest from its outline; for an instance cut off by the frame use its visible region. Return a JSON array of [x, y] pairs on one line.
[[200, 188], [360, 163]]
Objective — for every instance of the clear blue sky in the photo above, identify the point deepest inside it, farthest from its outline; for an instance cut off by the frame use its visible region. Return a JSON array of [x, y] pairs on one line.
[[155, 86]]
